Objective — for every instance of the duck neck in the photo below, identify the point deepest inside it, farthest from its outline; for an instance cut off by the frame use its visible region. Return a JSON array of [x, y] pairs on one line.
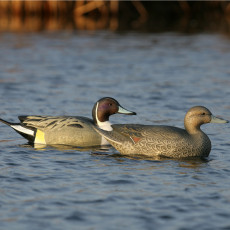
[[192, 127], [105, 124]]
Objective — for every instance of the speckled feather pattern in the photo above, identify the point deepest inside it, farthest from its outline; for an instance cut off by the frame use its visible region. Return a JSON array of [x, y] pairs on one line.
[[158, 141]]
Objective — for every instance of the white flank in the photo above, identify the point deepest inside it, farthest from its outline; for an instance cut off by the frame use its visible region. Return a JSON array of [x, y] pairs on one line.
[[23, 129]]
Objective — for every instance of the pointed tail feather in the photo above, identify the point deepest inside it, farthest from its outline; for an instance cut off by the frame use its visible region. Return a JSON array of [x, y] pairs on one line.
[[28, 133], [6, 122]]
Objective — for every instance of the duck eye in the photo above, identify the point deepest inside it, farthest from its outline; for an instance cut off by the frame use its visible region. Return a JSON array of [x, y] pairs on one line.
[[203, 114], [110, 104]]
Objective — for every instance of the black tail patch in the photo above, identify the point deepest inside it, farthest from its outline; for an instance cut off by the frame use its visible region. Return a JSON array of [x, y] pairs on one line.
[[26, 136], [30, 138]]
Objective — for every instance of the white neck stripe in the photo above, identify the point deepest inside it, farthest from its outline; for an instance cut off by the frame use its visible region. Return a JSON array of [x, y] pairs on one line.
[[96, 113], [106, 125]]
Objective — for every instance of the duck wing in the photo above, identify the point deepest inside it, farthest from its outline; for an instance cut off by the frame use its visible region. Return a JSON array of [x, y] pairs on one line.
[[50, 122], [156, 132]]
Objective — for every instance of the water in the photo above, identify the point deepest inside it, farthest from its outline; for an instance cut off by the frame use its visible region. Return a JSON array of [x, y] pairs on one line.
[[160, 76]]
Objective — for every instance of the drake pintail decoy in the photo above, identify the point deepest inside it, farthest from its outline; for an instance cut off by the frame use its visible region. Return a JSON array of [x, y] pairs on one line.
[[165, 141], [69, 130]]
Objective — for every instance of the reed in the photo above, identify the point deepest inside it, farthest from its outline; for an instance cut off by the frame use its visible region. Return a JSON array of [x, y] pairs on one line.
[[30, 15]]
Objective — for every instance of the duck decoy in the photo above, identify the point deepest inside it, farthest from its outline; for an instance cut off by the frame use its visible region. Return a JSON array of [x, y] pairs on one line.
[[69, 130], [165, 141]]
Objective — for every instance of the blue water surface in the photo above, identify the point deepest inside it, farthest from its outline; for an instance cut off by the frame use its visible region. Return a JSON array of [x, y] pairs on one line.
[[160, 76]]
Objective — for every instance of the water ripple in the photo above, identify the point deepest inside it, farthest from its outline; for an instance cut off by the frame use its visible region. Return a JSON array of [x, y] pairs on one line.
[[160, 76]]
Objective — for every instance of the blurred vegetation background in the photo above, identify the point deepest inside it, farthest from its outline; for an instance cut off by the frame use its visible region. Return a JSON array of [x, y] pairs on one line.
[[151, 16]]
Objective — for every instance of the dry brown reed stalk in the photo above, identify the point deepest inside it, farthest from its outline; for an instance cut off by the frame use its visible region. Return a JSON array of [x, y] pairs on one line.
[[33, 15]]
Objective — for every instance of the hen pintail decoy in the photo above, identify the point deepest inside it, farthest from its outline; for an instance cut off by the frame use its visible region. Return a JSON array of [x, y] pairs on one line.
[[165, 141], [69, 130]]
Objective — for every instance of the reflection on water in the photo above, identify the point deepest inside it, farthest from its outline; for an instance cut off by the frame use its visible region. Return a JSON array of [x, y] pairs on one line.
[[67, 147], [195, 162], [107, 151], [183, 16], [160, 76]]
